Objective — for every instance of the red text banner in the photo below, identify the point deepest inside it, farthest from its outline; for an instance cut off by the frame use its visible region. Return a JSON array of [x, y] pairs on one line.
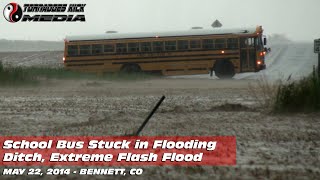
[[118, 151]]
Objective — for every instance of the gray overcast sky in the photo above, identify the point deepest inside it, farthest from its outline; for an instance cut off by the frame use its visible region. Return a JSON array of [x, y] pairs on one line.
[[298, 19]]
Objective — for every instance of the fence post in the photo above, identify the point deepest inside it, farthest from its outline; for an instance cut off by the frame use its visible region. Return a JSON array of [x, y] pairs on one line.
[[150, 115]]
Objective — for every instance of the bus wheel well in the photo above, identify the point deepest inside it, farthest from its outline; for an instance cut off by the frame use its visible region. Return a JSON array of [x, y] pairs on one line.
[[224, 69], [130, 68]]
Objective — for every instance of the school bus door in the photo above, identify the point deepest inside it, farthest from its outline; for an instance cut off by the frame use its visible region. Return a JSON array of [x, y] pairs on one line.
[[247, 54]]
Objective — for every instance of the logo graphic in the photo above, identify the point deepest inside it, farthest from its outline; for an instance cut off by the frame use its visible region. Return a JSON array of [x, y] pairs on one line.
[[44, 12], [12, 12]]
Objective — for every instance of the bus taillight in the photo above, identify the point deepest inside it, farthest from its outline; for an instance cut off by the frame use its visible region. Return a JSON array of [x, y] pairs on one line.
[[64, 59], [259, 62]]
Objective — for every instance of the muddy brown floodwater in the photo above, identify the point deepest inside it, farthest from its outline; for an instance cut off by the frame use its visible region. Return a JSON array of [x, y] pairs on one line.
[[269, 146]]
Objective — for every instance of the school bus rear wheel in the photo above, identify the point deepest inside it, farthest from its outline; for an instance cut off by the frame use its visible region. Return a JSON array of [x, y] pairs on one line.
[[130, 68]]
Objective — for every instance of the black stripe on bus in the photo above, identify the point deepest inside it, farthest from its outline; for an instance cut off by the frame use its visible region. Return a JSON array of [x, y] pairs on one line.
[[161, 57], [192, 69], [207, 59], [175, 70], [95, 64], [197, 69], [157, 52], [142, 62]]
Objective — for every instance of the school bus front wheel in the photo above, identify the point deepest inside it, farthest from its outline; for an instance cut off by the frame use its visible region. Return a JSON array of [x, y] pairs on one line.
[[224, 69]]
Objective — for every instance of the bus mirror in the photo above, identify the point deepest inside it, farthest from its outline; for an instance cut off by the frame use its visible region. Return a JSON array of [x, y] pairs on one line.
[[265, 41]]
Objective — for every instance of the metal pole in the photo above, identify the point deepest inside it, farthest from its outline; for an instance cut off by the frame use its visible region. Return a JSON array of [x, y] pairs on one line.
[[150, 115]]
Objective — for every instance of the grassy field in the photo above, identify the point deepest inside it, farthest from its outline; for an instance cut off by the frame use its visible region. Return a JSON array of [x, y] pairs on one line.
[[15, 76], [32, 75]]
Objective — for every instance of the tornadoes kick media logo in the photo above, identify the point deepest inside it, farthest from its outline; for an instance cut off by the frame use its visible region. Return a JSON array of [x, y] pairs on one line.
[[12, 12]]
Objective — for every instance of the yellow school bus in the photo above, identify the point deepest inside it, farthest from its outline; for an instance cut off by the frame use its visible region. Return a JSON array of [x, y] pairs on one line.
[[195, 51]]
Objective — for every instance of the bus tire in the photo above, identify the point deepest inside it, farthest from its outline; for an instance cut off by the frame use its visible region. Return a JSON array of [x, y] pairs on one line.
[[130, 68], [224, 69]]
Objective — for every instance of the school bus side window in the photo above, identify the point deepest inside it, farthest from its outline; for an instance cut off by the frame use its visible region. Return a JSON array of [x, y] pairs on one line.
[[133, 47], [171, 45], [207, 44], [195, 44], [72, 50], [85, 49], [183, 44], [219, 44], [250, 42], [145, 46], [108, 48], [247, 42], [232, 43], [97, 49], [157, 46], [121, 47]]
